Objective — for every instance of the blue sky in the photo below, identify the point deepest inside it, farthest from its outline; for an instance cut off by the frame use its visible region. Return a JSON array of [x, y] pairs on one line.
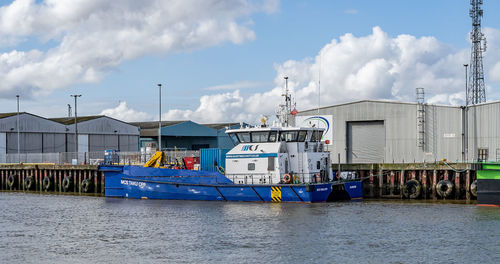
[[225, 76]]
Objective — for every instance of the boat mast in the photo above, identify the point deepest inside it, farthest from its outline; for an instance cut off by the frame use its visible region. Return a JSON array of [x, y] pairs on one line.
[[285, 109]]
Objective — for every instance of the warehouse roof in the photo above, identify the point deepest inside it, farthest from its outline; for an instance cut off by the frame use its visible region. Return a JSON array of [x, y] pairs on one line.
[[4, 115], [220, 125], [71, 120], [375, 101], [154, 124]]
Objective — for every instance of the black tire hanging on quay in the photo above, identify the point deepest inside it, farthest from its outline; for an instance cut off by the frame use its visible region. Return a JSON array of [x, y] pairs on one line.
[[29, 182], [473, 188], [47, 183], [444, 188], [87, 185], [412, 189], [11, 180], [67, 183]]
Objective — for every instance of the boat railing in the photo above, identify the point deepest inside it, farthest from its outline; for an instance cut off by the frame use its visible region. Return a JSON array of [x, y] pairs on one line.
[[267, 178], [246, 178]]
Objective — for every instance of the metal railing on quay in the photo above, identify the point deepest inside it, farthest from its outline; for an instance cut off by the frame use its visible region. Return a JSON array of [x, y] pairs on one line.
[[93, 158]]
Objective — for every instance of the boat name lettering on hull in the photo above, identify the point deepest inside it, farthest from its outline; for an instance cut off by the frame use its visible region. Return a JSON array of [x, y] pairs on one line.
[[133, 183]]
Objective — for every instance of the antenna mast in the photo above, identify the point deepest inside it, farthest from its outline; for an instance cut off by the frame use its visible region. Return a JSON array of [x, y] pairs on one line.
[[476, 91], [284, 109]]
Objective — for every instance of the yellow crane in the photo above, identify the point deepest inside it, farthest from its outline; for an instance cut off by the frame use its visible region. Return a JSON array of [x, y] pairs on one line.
[[156, 161]]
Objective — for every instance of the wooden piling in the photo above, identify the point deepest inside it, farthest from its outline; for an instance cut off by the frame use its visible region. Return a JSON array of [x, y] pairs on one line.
[[467, 185], [79, 182], [457, 185], [371, 185], [392, 183], [424, 184], [102, 181], [94, 174], [434, 183], [380, 182], [401, 183]]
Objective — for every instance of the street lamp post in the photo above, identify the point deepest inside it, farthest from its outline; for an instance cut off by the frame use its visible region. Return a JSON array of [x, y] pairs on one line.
[[18, 142], [466, 91], [76, 125], [159, 119]]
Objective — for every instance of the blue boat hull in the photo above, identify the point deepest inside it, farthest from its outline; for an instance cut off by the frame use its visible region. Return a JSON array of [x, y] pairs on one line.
[[152, 183]]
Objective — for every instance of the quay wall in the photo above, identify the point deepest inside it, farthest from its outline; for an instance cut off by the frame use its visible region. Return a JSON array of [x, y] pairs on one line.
[[69, 179], [397, 181], [440, 180]]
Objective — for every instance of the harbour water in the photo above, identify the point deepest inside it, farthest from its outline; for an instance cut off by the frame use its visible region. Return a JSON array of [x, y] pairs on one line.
[[69, 229]]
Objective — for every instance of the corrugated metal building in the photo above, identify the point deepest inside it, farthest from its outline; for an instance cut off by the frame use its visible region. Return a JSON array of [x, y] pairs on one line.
[[37, 134], [185, 135], [42, 135], [371, 131], [98, 133]]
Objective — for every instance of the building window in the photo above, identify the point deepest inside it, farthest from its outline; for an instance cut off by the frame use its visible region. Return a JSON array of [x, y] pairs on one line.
[[482, 154], [251, 166]]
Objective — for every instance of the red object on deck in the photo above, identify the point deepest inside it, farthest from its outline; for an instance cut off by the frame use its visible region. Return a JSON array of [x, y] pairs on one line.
[[190, 161], [294, 112]]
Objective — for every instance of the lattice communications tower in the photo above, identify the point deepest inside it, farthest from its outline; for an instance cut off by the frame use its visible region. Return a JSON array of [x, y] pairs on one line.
[[475, 90]]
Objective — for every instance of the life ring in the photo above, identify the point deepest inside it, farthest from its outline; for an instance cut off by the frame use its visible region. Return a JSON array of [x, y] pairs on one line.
[[11, 181], [28, 183], [317, 177], [444, 188], [47, 183], [412, 189], [473, 188], [66, 183], [287, 178], [86, 185]]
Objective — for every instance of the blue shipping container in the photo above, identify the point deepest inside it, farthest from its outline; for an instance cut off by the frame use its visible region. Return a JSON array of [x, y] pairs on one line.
[[211, 158]]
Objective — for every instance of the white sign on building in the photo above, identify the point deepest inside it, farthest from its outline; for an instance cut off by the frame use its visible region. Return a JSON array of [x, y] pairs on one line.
[[323, 121]]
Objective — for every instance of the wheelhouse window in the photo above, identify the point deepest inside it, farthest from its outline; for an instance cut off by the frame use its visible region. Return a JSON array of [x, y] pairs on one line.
[[251, 166], [234, 138], [259, 137], [272, 136], [244, 137], [302, 136], [288, 136], [316, 135]]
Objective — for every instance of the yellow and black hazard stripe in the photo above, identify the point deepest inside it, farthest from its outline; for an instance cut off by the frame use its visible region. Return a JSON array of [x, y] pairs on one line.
[[276, 194]]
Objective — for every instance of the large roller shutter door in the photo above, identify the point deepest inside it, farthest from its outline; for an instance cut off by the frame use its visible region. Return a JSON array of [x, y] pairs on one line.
[[365, 142], [129, 143]]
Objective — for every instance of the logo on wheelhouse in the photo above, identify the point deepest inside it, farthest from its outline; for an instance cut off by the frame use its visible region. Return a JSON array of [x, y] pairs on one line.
[[249, 147]]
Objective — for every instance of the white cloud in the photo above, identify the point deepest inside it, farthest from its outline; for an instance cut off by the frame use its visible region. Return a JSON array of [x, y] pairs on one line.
[[236, 85], [375, 66], [226, 107], [93, 36], [124, 113]]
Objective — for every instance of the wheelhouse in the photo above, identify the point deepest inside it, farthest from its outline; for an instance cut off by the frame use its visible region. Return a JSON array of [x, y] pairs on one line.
[[275, 135]]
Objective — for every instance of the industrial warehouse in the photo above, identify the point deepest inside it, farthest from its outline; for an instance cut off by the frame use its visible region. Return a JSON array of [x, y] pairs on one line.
[[52, 140], [371, 131]]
